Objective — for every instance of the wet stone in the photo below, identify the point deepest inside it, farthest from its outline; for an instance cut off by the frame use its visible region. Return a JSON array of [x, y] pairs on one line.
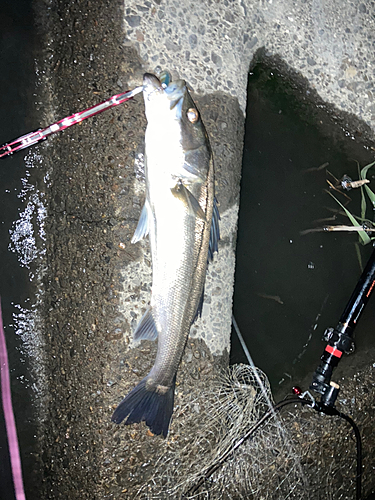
[[216, 59], [193, 40], [362, 8], [133, 21], [252, 42]]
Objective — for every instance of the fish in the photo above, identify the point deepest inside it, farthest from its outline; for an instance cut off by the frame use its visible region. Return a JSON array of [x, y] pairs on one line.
[[276, 298], [181, 218]]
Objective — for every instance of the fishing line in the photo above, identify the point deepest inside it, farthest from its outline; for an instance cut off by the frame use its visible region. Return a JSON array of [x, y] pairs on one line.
[[10, 423], [262, 387], [320, 408], [250, 432], [251, 362], [211, 428], [236, 463]]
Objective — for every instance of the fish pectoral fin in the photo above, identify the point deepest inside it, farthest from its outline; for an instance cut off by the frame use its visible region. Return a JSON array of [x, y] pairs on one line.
[[189, 200], [146, 328], [143, 225]]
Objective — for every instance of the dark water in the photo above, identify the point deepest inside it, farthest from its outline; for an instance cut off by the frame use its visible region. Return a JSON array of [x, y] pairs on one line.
[[290, 287], [17, 82]]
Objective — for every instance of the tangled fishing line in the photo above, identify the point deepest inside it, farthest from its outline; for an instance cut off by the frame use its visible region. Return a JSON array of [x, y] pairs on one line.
[[215, 423], [289, 456]]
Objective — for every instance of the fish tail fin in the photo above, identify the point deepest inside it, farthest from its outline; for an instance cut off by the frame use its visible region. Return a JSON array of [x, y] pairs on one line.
[[152, 405]]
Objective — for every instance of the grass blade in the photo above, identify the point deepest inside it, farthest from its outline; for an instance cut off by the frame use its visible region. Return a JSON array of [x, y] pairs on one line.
[[369, 192], [364, 237], [359, 256], [363, 197]]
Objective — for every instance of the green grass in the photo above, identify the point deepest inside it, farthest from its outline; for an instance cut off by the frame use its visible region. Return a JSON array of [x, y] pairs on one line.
[[361, 221]]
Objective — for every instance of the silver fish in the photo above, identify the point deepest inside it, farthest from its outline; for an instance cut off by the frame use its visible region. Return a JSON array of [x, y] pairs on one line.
[[181, 218]]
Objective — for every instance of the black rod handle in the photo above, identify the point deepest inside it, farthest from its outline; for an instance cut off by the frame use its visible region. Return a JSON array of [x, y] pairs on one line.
[[340, 339]]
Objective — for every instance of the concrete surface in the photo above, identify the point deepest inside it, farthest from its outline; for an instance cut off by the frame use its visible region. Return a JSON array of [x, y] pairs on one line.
[[211, 44]]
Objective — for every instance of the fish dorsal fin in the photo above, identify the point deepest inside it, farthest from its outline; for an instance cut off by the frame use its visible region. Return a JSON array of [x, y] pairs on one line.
[[143, 225], [146, 328], [188, 199], [213, 245]]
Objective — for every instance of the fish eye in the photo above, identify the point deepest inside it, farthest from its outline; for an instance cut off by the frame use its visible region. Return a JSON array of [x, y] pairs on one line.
[[192, 115]]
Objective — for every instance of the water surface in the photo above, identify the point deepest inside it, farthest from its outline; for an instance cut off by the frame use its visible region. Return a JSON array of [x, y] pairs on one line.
[[17, 84], [290, 287]]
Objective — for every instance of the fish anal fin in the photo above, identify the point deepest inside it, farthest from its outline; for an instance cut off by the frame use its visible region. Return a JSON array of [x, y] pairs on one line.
[[189, 200], [146, 328]]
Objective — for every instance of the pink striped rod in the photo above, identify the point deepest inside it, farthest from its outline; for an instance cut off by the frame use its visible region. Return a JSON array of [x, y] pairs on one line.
[[41, 134]]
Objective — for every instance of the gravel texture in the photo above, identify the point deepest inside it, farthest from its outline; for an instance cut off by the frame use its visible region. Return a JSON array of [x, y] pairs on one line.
[[212, 44]]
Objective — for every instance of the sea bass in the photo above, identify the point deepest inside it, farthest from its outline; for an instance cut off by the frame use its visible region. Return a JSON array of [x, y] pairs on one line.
[[181, 218]]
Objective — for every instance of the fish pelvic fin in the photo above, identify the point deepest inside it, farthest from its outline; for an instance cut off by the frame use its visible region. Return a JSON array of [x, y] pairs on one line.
[[143, 226], [189, 200], [213, 245], [198, 313], [146, 328], [154, 405]]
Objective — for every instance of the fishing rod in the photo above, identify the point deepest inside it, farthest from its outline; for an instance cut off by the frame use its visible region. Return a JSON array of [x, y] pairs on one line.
[[10, 423], [340, 339], [42, 134]]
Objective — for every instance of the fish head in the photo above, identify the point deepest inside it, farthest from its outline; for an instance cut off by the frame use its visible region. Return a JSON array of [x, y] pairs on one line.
[[170, 105]]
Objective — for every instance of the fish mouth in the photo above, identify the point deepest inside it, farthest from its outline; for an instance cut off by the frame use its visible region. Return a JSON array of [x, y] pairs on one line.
[[174, 92], [151, 86]]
